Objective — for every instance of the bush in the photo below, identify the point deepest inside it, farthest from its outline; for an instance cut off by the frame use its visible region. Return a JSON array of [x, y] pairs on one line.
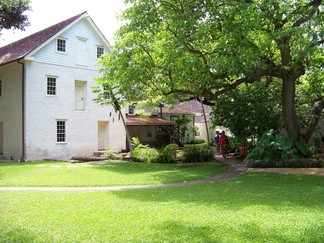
[[199, 154], [291, 163], [273, 147], [166, 155], [197, 141], [146, 154], [111, 154]]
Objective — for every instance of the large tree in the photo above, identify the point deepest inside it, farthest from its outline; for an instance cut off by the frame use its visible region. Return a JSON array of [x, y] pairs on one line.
[[198, 48], [12, 14]]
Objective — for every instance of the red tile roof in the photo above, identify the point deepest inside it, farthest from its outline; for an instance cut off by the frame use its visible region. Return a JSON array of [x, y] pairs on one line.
[[147, 121], [23, 47]]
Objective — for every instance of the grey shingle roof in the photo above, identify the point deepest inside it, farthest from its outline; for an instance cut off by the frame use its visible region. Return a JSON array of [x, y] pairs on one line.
[[23, 47]]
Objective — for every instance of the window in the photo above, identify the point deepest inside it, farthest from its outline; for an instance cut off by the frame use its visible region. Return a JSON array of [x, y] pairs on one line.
[[61, 45], [60, 134], [100, 51], [131, 110], [0, 87], [51, 86]]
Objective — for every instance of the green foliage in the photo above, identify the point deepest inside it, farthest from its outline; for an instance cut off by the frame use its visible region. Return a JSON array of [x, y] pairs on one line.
[[146, 154], [167, 155], [186, 49], [136, 142], [111, 154], [181, 128], [287, 163], [234, 144], [272, 148], [197, 141], [249, 111], [12, 14], [199, 154], [303, 147]]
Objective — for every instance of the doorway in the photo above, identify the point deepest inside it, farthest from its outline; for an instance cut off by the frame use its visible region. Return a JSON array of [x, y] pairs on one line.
[[80, 99], [102, 135]]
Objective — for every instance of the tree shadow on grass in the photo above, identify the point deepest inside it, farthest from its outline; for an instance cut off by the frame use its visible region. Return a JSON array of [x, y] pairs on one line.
[[17, 234], [245, 232], [246, 190], [166, 173]]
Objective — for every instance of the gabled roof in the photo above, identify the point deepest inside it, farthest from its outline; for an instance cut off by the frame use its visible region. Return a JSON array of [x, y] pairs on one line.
[[23, 47]]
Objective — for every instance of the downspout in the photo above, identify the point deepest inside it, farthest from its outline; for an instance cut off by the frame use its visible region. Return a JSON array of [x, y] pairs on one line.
[[23, 108]]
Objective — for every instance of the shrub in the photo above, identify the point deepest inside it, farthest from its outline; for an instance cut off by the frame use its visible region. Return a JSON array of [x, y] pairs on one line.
[[197, 141], [290, 163], [273, 147], [146, 154], [111, 154], [199, 154], [166, 155]]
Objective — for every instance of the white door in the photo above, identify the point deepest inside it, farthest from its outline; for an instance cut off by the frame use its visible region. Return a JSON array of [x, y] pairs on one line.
[[82, 52], [79, 96], [102, 135]]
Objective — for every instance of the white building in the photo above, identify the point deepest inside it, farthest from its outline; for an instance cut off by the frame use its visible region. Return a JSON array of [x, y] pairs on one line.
[[46, 101]]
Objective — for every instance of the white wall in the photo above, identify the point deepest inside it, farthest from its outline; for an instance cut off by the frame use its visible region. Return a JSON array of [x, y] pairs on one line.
[[11, 110], [81, 126]]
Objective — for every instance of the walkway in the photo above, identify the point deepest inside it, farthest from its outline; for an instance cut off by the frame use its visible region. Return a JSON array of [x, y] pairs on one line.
[[235, 168]]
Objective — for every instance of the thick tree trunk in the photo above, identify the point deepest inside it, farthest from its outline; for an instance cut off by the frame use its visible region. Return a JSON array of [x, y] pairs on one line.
[[289, 109]]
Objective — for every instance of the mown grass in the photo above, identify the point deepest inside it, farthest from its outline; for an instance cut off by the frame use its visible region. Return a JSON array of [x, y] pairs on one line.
[[251, 208], [110, 174]]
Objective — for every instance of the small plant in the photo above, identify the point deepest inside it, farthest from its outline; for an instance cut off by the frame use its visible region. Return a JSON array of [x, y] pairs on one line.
[[199, 154], [111, 154], [272, 148], [166, 155]]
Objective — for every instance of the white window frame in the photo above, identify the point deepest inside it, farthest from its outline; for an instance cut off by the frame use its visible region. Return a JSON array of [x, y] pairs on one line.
[[51, 87], [59, 48], [61, 131]]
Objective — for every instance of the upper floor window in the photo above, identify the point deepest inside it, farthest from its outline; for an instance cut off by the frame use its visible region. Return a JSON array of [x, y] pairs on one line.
[[51, 85], [61, 45], [100, 51]]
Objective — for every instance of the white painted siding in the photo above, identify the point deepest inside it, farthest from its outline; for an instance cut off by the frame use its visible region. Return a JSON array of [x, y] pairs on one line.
[[42, 111], [11, 110], [81, 126], [82, 29]]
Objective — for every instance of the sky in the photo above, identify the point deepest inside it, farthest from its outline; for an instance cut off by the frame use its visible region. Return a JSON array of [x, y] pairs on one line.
[[49, 12]]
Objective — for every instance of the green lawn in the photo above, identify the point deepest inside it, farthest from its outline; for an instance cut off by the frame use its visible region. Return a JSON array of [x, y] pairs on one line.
[[110, 174], [251, 208]]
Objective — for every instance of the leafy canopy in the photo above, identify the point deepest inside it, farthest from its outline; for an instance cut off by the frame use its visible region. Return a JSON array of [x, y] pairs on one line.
[[179, 49], [12, 14]]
